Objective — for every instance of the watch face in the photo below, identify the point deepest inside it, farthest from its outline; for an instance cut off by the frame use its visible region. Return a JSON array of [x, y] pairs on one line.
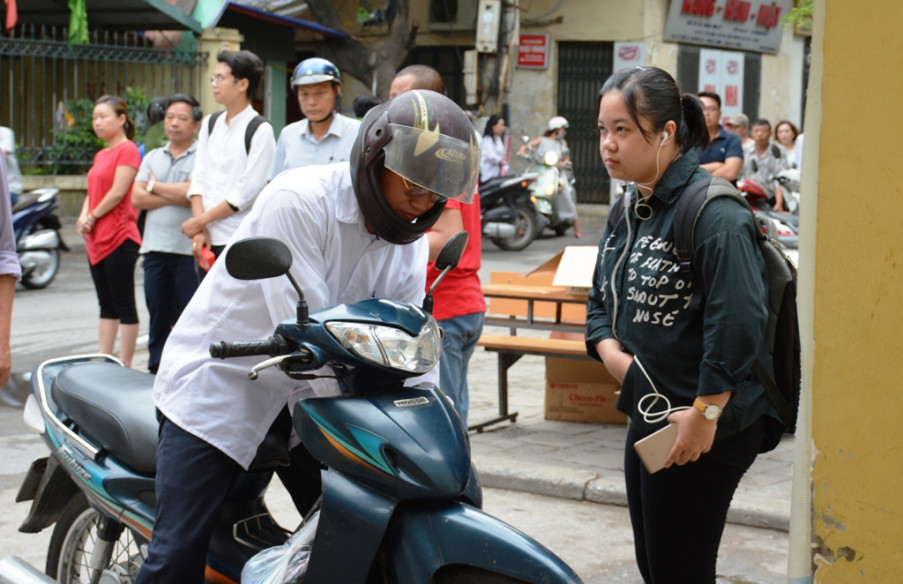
[[711, 412]]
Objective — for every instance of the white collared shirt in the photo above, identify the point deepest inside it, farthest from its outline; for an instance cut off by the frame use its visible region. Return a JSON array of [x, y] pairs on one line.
[[225, 171], [314, 211], [297, 147]]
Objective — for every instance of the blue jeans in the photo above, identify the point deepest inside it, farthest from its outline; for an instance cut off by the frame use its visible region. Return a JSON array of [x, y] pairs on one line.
[[170, 281], [458, 342]]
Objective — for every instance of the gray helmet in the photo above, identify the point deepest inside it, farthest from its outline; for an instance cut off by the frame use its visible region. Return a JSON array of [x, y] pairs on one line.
[[315, 70], [424, 137]]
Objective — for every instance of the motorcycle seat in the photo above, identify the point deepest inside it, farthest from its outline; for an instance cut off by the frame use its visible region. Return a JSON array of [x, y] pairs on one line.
[[111, 405]]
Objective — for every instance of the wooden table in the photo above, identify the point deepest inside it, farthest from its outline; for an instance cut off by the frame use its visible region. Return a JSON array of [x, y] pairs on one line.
[[550, 308]]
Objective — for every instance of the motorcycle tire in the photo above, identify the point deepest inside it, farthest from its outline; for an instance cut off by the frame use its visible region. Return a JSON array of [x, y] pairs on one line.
[[527, 230], [37, 279], [72, 544]]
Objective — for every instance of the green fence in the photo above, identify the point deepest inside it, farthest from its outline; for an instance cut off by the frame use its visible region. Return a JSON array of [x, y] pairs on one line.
[[48, 88]]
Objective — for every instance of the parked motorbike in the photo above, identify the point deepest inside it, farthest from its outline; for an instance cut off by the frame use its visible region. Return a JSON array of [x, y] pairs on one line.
[[38, 240], [507, 212], [553, 193], [786, 225], [401, 499]]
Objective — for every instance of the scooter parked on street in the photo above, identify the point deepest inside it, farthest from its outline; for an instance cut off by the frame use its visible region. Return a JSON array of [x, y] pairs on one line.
[[38, 240], [508, 215], [401, 499]]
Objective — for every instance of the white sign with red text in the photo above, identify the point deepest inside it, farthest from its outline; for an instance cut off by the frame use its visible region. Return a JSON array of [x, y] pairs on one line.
[[745, 25]]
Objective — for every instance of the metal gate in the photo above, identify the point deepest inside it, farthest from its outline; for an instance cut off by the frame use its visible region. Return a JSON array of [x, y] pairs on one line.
[[48, 87], [582, 69]]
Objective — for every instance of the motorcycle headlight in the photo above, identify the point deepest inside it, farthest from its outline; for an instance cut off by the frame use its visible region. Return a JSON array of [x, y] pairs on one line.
[[543, 206], [391, 347]]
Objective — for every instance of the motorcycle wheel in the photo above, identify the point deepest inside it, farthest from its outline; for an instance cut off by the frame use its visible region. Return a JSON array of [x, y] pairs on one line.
[[72, 545], [527, 230], [41, 278]]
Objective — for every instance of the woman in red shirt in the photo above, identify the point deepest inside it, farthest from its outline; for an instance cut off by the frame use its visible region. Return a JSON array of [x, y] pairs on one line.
[[108, 222]]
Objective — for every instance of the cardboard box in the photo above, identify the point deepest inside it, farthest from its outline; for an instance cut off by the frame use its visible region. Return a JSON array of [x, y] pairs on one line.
[[581, 391], [574, 274]]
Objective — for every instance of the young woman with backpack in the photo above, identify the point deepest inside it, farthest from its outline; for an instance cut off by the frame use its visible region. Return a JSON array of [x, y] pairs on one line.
[[677, 363]]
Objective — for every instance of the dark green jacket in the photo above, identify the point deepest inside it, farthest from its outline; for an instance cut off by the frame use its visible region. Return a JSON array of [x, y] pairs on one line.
[[640, 297]]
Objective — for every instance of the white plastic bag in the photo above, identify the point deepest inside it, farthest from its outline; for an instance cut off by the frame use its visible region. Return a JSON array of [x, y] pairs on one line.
[[283, 564]]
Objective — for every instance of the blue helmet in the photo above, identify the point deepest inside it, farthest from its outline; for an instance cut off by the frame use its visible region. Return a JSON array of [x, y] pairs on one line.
[[315, 70]]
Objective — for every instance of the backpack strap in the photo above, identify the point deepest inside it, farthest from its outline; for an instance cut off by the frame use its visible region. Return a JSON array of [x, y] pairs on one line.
[[249, 130], [688, 208], [211, 121]]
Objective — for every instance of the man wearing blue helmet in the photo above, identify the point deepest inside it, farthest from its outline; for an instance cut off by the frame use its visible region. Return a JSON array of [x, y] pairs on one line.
[[324, 136]]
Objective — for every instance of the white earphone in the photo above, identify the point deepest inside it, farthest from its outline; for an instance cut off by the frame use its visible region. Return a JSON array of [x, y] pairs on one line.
[[664, 137]]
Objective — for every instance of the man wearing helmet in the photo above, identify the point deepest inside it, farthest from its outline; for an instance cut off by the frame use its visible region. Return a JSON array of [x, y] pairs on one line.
[[355, 232], [324, 135]]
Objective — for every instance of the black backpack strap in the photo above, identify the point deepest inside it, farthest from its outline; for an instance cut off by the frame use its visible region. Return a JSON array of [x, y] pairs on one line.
[[689, 205], [211, 121], [249, 131]]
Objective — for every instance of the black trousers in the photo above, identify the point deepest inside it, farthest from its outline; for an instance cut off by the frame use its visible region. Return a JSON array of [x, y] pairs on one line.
[[678, 514]]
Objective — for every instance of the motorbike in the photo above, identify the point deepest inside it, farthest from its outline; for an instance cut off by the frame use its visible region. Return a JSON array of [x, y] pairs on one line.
[[38, 240], [507, 212], [785, 225], [401, 499], [553, 191]]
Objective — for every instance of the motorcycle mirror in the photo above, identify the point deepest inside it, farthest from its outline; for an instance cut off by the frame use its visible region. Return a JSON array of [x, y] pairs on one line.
[[447, 261], [550, 158], [257, 258]]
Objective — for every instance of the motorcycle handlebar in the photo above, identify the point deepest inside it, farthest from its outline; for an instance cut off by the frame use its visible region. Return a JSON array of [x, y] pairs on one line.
[[275, 345]]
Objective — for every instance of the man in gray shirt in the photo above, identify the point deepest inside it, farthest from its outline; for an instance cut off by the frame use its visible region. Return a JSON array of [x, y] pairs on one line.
[[161, 188]]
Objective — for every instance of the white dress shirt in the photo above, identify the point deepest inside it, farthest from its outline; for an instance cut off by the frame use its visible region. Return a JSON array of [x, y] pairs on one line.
[[297, 147], [493, 157], [225, 171], [314, 211]]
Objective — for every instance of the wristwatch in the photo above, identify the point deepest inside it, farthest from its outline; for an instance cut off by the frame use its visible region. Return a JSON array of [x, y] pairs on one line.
[[151, 184], [709, 411]]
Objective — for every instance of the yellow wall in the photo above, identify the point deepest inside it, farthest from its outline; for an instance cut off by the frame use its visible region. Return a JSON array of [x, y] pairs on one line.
[[857, 429]]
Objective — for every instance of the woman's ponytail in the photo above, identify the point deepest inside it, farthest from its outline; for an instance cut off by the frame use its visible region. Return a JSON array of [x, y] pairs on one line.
[[692, 131]]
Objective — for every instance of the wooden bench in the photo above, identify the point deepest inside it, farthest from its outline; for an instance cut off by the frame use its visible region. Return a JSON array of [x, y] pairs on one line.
[[510, 349]]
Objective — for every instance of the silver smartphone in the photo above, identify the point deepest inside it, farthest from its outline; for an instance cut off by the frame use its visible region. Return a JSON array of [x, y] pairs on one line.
[[654, 448]]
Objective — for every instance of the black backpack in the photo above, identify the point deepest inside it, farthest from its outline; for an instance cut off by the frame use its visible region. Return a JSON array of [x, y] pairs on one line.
[[249, 131], [782, 380]]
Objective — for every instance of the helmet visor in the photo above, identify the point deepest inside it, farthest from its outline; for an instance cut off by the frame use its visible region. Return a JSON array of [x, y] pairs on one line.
[[444, 165]]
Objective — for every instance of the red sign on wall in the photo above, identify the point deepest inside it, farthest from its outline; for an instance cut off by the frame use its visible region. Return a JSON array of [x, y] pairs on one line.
[[533, 51]]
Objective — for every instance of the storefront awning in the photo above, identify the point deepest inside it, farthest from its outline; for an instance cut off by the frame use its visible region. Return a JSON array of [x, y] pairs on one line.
[[110, 14], [237, 9]]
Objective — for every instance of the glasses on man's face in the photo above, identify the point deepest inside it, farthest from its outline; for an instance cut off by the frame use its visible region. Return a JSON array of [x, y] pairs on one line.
[[418, 191], [711, 108], [218, 79]]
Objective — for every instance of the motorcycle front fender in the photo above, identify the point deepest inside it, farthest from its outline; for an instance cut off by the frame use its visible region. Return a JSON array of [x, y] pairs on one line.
[[424, 539], [47, 239]]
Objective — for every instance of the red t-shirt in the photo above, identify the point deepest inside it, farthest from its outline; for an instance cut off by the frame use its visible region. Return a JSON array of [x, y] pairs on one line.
[[460, 293], [120, 224]]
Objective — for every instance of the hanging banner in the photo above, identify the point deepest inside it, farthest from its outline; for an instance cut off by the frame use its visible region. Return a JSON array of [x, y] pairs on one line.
[[747, 25], [722, 72], [629, 55]]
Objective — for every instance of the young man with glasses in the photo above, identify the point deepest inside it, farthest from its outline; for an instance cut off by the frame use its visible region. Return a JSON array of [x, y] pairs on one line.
[[723, 157], [228, 174]]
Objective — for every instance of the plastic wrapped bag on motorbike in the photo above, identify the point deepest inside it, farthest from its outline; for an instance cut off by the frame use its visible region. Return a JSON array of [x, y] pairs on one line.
[[283, 564]]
